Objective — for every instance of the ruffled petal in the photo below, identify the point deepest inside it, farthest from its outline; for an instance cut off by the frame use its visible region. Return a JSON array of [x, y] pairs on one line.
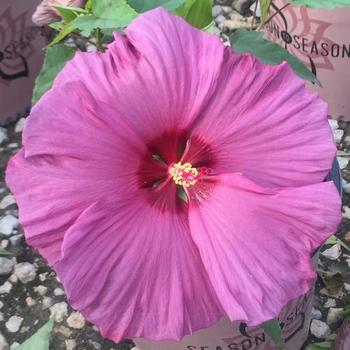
[[256, 243], [158, 76], [134, 271], [261, 121], [73, 155]]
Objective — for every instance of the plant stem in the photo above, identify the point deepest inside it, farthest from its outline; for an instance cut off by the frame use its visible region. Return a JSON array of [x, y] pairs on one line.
[[254, 14], [81, 37], [99, 37]]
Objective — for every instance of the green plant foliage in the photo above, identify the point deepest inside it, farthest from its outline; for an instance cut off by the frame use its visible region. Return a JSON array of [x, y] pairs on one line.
[[264, 8], [65, 30], [4, 252], [69, 13], [39, 340], [268, 52], [273, 329], [327, 4], [106, 14], [335, 240], [196, 12], [55, 59], [145, 5], [326, 345]]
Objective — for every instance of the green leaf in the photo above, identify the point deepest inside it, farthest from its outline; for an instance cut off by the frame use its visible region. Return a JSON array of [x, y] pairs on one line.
[[4, 252], [65, 30], [198, 13], [56, 25], [273, 329], [264, 9], [69, 13], [268, 52], [55, 59], [326, 345], [145, 5], [106, 14], [335, 240], [39, 340], [327, 4]]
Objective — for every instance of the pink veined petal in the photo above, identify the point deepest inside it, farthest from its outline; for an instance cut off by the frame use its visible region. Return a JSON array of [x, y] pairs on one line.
[[73, 155], [134, 271], [261, 121], [256, 243], [157, 77]]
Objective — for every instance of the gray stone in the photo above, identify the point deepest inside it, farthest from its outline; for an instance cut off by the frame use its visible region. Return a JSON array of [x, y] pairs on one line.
[[5, 288], [242, 6], [59, 311], [3, 343], [219, 19], [71, 344], [343, 162], [26, 272], [316, 314], [7, 201], [42, 290], [319, 329], [330, 303], [14, 324], [6, 266], [332, 253], [3, 135], [76, 320], [335, 315], [16, 240], [217, 11], [30, 301], [338, 135], [347, 287], [58, 292], [7, 224], [20, 125], [47, 302]]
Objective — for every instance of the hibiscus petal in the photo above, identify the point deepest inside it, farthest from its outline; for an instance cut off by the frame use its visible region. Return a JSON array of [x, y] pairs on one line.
[[158, 76], [256, 243], [261, 121], [73, 155], [134, 271]]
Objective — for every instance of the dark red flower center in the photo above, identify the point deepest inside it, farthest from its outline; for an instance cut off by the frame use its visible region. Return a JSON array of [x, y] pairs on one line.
[[174, 162]]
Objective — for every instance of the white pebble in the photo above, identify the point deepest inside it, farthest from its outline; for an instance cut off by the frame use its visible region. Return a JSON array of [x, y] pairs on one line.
[[7, 224], [330, 303], [76, 320], [3, 135], [47, 302], [319, 329], [343, 162], [347, 287], [42, 290], [6, 266], [71, 344], [5, 288], [335, 315], [338, 135], [59, 311], [14, 324], [30, 301], [332, 253], [20, 125], [7, 201], [14, 345], [26, 272], [316, 314], [58, 291], [3, 343]]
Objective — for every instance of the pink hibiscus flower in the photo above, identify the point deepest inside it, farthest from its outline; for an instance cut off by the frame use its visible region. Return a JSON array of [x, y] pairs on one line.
[[111, 150]]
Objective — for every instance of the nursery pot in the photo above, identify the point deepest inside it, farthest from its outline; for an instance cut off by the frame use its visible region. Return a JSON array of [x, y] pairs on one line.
[[320, 39], [21, 57], [294, 320]]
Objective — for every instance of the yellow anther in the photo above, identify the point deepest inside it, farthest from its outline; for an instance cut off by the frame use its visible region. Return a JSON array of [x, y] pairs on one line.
[[184, 174]]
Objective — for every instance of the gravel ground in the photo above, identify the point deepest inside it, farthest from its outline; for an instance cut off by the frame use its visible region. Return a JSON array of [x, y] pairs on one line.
[[30, 291]]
